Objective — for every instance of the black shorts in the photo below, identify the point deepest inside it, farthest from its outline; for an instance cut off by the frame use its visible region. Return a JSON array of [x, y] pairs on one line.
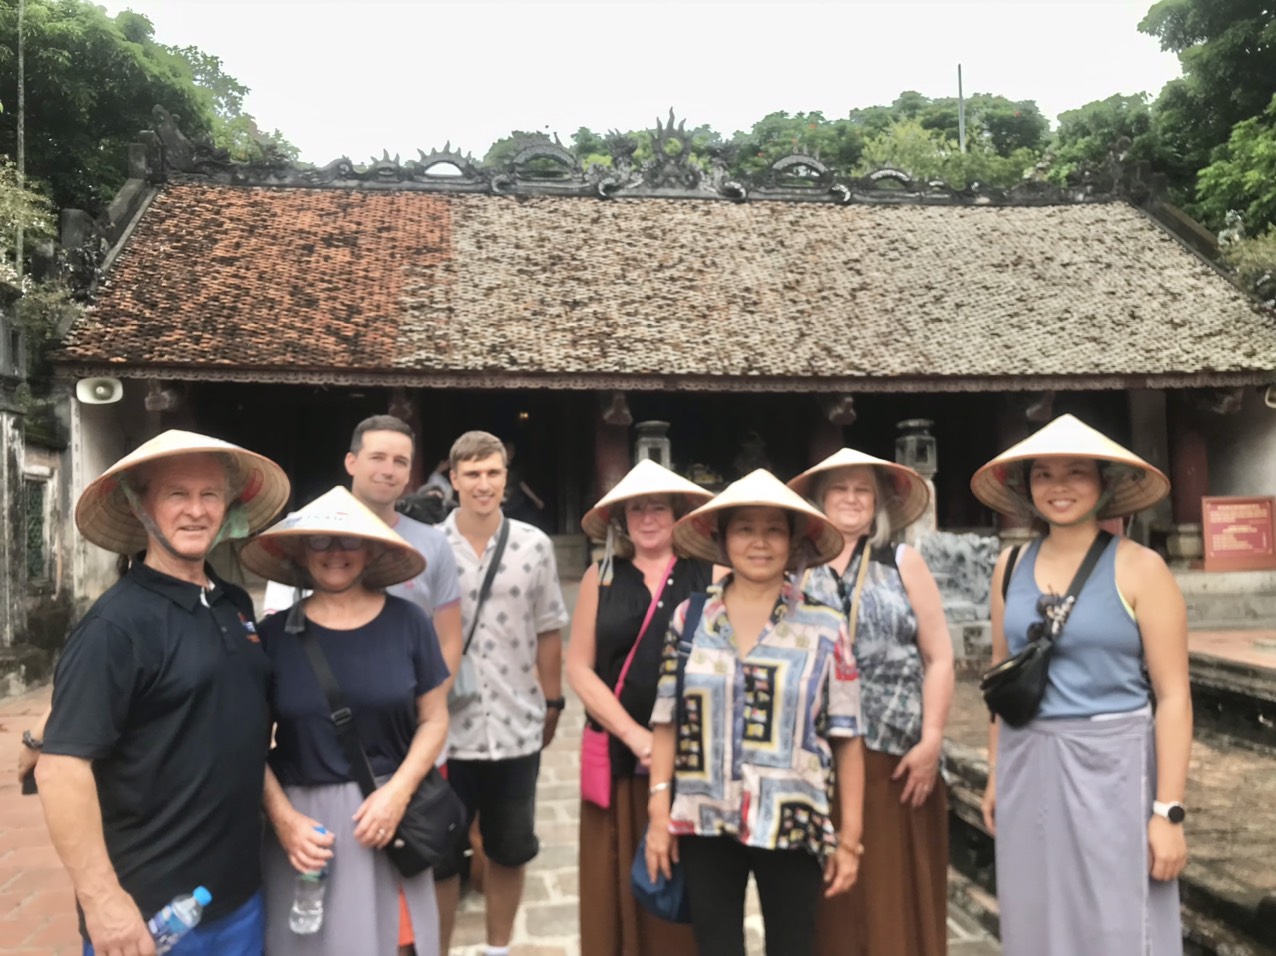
[[503, 794]]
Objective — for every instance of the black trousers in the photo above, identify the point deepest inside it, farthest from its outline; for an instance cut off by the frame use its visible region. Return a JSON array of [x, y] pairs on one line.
[[790, 883]]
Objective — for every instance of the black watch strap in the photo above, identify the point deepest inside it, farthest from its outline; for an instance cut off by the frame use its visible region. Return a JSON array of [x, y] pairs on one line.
[[556, 703]]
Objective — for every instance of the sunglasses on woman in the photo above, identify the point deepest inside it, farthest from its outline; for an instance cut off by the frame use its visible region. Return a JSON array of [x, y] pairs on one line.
[[327, 542]]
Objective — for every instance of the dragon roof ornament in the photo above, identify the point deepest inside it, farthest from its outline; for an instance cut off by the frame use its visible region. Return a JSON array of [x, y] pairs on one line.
[[542, 166]]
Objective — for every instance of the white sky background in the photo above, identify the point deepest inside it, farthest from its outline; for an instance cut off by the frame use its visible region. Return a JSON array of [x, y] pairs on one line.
[[354, 77]]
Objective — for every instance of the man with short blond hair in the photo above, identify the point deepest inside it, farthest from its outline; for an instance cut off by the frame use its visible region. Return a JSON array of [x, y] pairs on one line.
[[495, 738]]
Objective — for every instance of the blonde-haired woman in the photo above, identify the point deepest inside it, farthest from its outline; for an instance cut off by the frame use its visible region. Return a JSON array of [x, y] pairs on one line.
[[385, 657], [768, 719], [613, 662], [901, 643], [1086, 800]]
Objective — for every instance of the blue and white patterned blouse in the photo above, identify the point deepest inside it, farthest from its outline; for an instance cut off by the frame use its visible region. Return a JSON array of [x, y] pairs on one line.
[[885, 647], [753, 755]]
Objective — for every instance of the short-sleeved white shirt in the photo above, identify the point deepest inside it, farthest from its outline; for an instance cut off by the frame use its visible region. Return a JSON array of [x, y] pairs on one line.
[[508, 717]]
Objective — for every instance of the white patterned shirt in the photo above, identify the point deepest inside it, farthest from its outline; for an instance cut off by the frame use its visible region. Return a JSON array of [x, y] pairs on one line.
[[508, 718]]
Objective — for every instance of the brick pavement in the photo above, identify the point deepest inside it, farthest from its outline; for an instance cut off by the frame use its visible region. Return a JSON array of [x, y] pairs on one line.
[[37, 908]]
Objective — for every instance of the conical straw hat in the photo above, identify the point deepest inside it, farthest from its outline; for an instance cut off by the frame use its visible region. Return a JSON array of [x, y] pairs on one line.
[[274, 554], [645, 478], [1000, 484], [696, 534], [103, 514], [907, 493]]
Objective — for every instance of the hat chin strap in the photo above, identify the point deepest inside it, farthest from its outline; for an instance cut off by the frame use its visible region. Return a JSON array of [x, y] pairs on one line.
[[234, 526]]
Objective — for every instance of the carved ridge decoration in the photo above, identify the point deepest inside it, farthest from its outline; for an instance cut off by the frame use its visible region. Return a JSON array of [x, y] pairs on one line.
[[544, 166]]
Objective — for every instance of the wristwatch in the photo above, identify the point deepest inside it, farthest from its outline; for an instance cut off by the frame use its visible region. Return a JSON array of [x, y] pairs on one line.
[[30, 742], [1174, 812], [556, 703]]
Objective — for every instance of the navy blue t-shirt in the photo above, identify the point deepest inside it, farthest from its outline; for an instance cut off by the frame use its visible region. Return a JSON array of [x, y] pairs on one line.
[[382, 668]]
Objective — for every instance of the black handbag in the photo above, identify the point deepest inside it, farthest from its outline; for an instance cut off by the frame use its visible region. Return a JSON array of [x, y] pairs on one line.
[[435, 818], [1014, 688]]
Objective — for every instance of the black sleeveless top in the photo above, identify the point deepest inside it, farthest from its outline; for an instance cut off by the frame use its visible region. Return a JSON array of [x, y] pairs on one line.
[[622, 606]]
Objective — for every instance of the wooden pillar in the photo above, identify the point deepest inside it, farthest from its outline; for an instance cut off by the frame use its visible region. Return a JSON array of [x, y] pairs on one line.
[[826, 438], [611, 455], [1189, 463], [1012, 427], [1189, 482]]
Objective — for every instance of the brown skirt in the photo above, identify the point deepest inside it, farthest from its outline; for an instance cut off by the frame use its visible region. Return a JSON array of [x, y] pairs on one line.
[[899, 904], [611, 922]]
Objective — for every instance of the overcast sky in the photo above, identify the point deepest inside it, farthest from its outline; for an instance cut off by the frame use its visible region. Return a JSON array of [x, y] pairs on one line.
[[354, 77]]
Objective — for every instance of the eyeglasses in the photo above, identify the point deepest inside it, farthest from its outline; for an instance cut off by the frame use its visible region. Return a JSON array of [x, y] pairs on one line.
[[327, 542]]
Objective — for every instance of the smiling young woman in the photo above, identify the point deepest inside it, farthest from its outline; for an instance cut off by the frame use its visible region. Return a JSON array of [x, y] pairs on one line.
[[1092, 875]]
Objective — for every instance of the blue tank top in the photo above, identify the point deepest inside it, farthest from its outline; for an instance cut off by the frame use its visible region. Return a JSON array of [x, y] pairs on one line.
[[1097, 667]]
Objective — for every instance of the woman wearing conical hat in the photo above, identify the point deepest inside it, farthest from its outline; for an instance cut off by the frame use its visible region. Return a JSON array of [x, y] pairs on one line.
[[385, 657], [613, 662], [767, 721], [905, 656], [1086, 800]]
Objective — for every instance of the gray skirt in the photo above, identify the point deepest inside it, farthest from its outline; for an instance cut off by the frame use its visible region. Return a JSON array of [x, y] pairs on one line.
[[361, 903], [1073, 802]]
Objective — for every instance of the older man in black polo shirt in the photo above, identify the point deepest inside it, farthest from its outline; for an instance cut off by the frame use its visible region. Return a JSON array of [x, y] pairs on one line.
[[155, 750]]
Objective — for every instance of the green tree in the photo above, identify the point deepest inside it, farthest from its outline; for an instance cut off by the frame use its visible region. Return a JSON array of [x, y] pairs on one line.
[[1087, 134], [20, 209], [232, 128], [91, 82], [1227, 49], [1243, 175], [838, 144]]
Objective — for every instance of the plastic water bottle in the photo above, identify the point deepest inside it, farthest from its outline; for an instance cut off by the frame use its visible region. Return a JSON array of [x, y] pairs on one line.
[[178, 918], [306, 915]]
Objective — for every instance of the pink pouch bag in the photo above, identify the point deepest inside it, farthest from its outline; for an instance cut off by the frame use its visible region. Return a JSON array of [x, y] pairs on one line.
[[595, 744]]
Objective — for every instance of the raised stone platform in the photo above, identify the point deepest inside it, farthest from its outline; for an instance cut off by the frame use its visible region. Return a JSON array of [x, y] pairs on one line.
[[1229, 886]]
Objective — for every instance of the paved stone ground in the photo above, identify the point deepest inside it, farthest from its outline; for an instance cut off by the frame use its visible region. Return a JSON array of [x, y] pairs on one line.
[[1233, 841]]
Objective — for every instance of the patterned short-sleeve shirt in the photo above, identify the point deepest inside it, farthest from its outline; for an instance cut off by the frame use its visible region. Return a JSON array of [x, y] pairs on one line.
[[885, 646], [508, 717], [753, 755]]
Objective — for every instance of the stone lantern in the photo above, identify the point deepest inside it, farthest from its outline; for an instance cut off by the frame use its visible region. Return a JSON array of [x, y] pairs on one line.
[[916, 448], [653, 443]]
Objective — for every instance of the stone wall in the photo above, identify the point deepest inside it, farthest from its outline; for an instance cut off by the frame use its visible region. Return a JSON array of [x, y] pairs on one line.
[[1242, 449], [962, 565]]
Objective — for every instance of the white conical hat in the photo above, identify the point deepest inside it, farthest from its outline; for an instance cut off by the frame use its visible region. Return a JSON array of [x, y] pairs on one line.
[[645, 478], [697, 533], [907, 493], [1000, 483], [103, 514], [274, 554]]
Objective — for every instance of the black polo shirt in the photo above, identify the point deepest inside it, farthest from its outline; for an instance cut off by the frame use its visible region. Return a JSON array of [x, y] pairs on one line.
[[164, 688]]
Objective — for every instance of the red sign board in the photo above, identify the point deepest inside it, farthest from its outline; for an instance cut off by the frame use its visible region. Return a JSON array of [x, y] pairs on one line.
[[1240, 533]]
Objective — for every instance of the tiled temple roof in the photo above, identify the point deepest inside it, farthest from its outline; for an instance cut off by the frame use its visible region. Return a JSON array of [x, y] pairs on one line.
[[408, 287]]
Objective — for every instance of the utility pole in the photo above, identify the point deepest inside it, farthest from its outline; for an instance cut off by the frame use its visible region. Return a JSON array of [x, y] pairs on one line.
[[961, 114], [22, 134]]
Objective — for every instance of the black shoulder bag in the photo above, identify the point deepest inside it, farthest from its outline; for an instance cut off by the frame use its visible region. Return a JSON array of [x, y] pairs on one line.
[[435, 817], [1013, 689]]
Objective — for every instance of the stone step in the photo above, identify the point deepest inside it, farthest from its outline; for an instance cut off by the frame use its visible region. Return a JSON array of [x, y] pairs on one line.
[[1229, 887], [1228, 599]]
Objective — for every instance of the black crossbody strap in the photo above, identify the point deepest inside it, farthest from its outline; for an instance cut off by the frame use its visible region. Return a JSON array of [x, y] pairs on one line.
[[342, 717], [486, 589], [1087, 565]]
